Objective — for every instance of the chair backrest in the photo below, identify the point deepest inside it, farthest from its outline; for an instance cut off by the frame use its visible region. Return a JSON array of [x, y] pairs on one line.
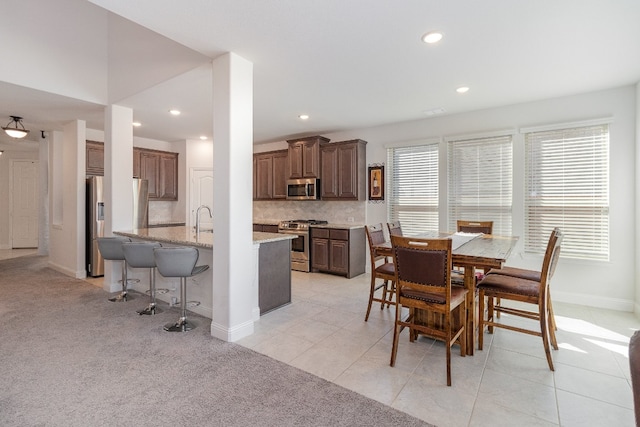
[[176, 262], [140, 254], [375, 236], [551, 256], [395, 229], [423, 265], [111, 247], [485, 227]]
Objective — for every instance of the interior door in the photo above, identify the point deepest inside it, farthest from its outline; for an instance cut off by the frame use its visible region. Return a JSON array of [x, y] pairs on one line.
[[24, 204], [201, 194]]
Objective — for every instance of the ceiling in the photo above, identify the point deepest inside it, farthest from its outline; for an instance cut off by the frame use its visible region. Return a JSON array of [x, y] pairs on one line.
[[347, 64]]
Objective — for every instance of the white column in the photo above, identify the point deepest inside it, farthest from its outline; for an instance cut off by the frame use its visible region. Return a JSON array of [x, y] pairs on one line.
[[118, 181], [233, 252], [43, 197]]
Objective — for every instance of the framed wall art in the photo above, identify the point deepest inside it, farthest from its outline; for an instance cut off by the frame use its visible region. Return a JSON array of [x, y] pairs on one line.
[[376, 182]]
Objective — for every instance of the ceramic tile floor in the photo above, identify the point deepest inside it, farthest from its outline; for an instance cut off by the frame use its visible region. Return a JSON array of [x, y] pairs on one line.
[[508, 383]]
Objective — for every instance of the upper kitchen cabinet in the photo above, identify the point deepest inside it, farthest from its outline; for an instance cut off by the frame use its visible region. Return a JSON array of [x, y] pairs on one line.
[[270, 175], [95, 158], [343, 174], [304, 157], [160, 169]]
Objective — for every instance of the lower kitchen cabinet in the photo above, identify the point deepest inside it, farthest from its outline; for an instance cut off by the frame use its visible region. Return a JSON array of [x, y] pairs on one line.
[[338, 251], [265, 228]]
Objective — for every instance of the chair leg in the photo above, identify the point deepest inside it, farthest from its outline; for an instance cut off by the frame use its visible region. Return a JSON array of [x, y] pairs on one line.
[[480, 320], [151, 309], [552, 324], [491, 311], [371, 291], [463, 335], [182, 325], [396, 335], [544, 329], [123, 296], [448, 326], [385, 289], [498, 312]]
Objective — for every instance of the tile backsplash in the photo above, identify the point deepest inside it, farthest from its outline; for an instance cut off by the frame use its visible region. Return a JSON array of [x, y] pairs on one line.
[[334, 212]]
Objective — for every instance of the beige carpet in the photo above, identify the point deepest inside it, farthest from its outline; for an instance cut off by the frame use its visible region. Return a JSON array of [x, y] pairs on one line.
[[69, 357]]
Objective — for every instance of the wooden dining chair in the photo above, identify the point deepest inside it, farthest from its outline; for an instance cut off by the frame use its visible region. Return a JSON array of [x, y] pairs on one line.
[[395, 229], [423, 284], [381, 269], [464, 226], [485, 227], [519, 289], [534, 275]]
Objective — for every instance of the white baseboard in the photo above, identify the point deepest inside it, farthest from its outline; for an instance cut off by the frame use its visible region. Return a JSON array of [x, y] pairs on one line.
[[232, 334], [67, 271], [595, 301]]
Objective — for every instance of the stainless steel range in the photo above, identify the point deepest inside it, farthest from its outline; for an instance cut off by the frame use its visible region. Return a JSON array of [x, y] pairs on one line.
[[300, 256]]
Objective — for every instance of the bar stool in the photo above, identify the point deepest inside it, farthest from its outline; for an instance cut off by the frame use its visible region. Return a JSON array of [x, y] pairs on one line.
[[111, 249], [179, 262], [140, 255]]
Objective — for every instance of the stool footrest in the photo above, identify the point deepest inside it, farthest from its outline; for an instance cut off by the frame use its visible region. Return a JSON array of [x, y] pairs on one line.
[[150, 310], [182, 325], [121, 297]]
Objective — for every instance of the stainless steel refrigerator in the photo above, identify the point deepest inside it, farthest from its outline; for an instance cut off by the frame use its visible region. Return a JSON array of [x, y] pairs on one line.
[[95, 218]]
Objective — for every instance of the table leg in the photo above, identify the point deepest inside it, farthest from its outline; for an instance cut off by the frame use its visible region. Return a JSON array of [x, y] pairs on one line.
[[470, 285]]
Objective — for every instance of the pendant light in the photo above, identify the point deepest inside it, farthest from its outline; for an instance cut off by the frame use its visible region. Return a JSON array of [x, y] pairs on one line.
[[15, 131]]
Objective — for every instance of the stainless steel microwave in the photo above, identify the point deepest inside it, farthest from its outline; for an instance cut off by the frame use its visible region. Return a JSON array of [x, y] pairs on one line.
[[303, 189]]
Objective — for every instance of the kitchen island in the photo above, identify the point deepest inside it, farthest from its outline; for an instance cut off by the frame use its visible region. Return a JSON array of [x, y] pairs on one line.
[[271, 259]]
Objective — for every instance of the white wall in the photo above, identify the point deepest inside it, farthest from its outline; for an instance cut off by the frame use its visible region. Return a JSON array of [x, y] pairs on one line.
[[601, 284], [75, 67]]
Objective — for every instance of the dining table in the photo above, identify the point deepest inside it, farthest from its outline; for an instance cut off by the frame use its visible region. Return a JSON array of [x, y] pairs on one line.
[[471, 251]]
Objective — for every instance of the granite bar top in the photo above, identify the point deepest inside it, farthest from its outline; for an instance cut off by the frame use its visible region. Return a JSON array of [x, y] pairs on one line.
[[347, 226], [267, 221], [187, 236]]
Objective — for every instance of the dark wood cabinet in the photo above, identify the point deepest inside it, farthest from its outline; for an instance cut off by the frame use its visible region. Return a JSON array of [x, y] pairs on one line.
[[168, 176], [265, 228], [95, 158], [159, 168], [338, 251], [304, 157], [343, 175], [270, 175]]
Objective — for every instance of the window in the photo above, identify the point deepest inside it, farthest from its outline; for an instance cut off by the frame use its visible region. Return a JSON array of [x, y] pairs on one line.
[[480, 181], [567, 186], [412, 187]]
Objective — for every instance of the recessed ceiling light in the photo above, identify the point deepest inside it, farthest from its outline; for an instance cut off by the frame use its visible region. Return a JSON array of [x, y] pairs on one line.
[[136, 124], [432, 37], [462, 89], [303, 116], [204, 138], [174, 112]]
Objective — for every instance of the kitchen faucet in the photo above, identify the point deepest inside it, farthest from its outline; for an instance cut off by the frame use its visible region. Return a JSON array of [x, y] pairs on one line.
[[198, 217]]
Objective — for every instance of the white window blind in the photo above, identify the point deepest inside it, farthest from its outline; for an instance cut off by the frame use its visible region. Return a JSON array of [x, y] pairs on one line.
[[567, 186], [412, 187], [480, 175]]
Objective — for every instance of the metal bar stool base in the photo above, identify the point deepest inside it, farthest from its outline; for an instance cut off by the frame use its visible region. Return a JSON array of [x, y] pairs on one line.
[[122, 297], [150, 310], [182, 325]]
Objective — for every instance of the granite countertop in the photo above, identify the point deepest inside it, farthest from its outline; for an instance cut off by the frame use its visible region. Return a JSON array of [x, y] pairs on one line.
[[187, 236], [348, 225], [267, 221]]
